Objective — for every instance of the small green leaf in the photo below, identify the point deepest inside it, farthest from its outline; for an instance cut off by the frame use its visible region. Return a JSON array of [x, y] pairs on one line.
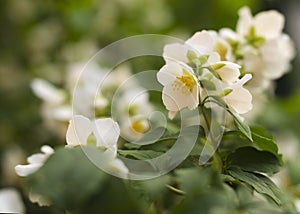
[[191, 55], [243, 127], [227, 91], [208, 85], [217, 66], [203, 59]]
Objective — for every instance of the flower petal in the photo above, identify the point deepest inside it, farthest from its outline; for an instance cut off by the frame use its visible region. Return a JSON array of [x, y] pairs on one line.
[[239, 100], [107, 132], [269, 24], [202, 42], [230, 72], [25, 170], [167, 74], [11, 201], [78, 131], [177, 99], [175, 52], [245, 21]]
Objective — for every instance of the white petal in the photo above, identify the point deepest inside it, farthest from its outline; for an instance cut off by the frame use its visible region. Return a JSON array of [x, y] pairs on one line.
[[37, 158], [118, 168], [175, 52], [62, 113], [36, 198], [172, 114], [245, 21], [47, 149], [241, 81], [78, 131], [47, 91], [107, 132], [240, 100], [25, 170], [230, 72], [177, 99], [167, 74], [269, 24], [202, 42], [11, 201]]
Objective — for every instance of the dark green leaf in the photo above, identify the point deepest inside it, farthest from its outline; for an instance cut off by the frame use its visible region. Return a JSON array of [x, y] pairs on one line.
[[256, 182], [253, 160]]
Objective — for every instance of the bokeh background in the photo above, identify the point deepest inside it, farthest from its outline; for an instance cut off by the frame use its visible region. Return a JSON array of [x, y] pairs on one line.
[[43, 38]]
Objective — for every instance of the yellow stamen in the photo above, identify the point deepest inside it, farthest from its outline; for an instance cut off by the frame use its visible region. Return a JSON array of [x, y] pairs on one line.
[[221, 49], [186, 79], [140, 126]]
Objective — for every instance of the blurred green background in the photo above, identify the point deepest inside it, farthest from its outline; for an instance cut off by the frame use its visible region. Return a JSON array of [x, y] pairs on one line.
[[41, 38]]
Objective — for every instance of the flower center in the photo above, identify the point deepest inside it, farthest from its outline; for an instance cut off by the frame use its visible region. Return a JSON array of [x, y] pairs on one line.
[[140, 126], [222, 50], [187, 79]]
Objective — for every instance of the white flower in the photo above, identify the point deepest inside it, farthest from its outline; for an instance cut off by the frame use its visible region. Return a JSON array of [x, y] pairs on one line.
[[35, 161], [106, 132], [134, 128], [229, 71], [133, 108], [297, 204], [277, 54], [180, 89], [201, 43], [268, 24], [11, 201], [239, 99], [47, 92]]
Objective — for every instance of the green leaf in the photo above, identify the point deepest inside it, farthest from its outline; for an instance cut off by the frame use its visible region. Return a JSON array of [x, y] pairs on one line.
[[191, 55], [58, 180], [253, 160], [209, 85], [255, 180], [264, 141], [140, 154], [217, 66], [243, 127]]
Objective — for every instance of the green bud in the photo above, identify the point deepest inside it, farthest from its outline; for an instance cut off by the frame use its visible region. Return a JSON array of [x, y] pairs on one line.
[[217, 66], [227, 91], [191, 55]]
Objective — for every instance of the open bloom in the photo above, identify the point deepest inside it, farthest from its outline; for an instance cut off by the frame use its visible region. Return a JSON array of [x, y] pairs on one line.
[[181, 88], [106, 133], [239, 99], [35, 161], [268, 24]]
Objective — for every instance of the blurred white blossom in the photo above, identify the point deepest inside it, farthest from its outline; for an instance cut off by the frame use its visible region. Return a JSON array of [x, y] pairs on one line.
[[11, 201], [105, 132], [35, 161]]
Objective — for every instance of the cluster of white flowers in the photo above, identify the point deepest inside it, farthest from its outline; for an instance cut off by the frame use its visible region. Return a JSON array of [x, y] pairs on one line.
[[94, 88], [227, 64], [195, 70], [105, 134]]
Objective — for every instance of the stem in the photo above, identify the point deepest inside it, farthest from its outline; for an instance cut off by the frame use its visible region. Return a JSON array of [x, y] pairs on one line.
[[217, 161], [175, 190]]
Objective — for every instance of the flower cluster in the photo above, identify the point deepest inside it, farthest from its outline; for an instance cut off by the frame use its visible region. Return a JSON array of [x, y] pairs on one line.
[[195, 70], [227, 64], [89, 92]]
